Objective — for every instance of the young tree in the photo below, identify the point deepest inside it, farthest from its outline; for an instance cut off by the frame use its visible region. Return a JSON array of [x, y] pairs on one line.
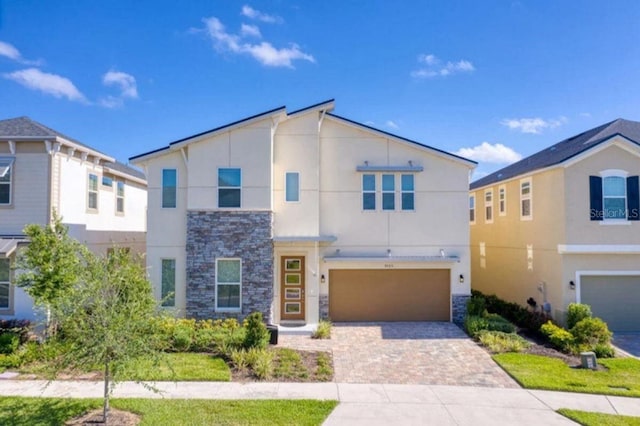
[[108, 319], [50, 265]]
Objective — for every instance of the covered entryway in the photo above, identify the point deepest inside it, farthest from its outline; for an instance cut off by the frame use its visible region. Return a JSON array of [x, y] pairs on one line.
[[614, 298], [389, 295]]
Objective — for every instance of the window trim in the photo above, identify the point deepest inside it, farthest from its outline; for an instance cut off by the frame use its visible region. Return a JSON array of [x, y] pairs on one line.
[[528, 196], [90, 191], [239, 284], [175, 205], [488, 205], [502, 200], [162, 296], [118, 197], [472, 208], [239, 188], [9, 310], [369, 191], [12, 162], [286, 187], [412, 192], [622, 174]]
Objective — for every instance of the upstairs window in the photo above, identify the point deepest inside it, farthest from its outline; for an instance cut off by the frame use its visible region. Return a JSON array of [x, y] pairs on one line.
[[5, 284], [120, 197], [92, 196], [614, 196], [368, 192], [229, 187], [107, 182], [5, 180], [502, 200], [488, 206], [407, 192], [388, 192], [292, 187], [169, 188], [472, 208], [525, 198]]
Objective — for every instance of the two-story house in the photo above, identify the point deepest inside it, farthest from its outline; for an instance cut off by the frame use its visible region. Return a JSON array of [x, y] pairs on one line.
[[103, 202], [304, 215], [563, 226]]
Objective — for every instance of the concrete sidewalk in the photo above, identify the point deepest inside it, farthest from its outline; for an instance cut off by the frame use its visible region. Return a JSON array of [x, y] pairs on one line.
[[370, 404]]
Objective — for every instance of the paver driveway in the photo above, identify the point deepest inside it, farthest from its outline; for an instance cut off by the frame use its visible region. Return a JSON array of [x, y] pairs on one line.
[[435, 353]]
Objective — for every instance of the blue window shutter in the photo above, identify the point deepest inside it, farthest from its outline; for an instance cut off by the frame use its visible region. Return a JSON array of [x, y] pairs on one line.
[[633, 198], [595, 196]]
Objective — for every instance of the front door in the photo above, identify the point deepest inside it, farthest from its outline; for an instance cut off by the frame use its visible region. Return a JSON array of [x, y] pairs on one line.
[[292, 288]]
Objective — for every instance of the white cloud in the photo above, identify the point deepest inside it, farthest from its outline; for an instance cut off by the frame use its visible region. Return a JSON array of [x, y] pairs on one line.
[[488, 153], [111, 102], [431, 66], [264, 52], [51, 84], [126, 83], [250, 31], [585, 114], [252, 13], [533, 125], [9, 51], [392, 124]]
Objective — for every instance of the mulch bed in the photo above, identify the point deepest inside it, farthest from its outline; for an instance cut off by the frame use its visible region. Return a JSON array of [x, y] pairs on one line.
[[309, 361], [116, 417]]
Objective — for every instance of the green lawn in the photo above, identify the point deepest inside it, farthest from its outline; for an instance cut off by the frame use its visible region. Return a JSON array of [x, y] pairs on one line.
[[599, 419], [186, 367], [18, 411], [622, 376]]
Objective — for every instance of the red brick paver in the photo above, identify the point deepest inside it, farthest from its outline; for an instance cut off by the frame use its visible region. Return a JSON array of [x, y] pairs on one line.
[[434, 353]]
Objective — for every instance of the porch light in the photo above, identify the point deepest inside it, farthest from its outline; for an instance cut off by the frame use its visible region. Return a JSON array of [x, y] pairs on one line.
[[461, 278], [572, 285], [322, 280]]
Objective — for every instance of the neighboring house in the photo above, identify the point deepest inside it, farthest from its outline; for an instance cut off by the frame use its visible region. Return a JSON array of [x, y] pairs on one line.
[[306, 215], [563, 226], [101, 201]]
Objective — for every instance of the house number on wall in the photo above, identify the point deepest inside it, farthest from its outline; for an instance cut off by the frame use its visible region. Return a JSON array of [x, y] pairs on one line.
[[388, 265]]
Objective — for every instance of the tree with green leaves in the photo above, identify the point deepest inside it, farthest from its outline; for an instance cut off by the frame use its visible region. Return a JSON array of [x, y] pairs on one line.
[[50, 265]]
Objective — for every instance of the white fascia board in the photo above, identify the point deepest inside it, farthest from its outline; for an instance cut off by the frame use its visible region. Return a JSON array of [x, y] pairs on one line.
[[125, 175], [599, 248]]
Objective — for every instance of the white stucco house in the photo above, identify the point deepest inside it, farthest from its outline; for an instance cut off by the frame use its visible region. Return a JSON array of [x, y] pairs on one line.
[[305, 215], [103, 202]]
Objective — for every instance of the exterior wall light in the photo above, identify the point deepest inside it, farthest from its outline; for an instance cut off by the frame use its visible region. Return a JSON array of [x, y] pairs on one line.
[[461, 278], [572, 285], [322, 280]]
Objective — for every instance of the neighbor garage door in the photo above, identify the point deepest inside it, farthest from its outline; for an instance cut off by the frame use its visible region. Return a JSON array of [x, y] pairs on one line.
[[389, 295], [615, 299]]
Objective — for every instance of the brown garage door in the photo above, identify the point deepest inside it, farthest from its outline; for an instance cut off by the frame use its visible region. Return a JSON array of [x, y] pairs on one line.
[[389, 295]]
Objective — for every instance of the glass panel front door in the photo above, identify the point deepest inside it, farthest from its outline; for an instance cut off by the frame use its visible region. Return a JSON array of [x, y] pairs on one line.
[[292, 288]]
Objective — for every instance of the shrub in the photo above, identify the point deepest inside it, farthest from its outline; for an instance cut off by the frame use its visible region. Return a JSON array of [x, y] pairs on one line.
[[256, 334], [499, 342], [263, 364], [182, 338], [476, 306], [558, 336], [576, 312], [9, 342], [473, 324], [205, 339], [590, 332], [324, 366], [323, 331], [498, 323], [516, 314], [604, 351], [239, 359]]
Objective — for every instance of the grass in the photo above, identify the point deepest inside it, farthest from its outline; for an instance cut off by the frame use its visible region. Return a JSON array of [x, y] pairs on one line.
[[289, 365], [186, 367], [599, 419], [622, 376], [21, 411]]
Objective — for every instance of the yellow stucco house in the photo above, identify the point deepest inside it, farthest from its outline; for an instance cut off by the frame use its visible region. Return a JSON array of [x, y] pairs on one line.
[[562, 226]]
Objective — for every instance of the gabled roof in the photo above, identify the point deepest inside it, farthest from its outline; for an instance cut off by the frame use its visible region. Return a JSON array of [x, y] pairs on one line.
[[25, 129], [564, 150]]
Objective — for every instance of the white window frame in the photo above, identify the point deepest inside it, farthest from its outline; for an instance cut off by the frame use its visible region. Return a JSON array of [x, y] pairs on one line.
[[162, 295], [239, 284], [488, 206], [392, 191], [163, 186], [502, 200], [108, 178], [92, 191], [524, 197], [472, 208], [369, 191], [8, 310], [411, 191], [120, 197], [286, 187], [619, 174], [239, 187], [9, 172]]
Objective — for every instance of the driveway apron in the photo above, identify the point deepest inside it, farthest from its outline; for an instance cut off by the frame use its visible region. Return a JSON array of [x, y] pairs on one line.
[[434, 353], [628, 342]]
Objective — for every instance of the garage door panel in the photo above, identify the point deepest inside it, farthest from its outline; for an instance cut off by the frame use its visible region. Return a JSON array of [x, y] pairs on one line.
[[389, 295], [615, 299]]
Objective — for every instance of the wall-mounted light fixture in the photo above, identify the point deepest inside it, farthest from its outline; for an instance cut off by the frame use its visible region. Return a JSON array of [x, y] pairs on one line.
[[322, 280], [572, 285], [461, 278]]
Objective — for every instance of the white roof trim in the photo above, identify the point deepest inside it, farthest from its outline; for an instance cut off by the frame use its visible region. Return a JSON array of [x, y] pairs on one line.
[[599, 248], [303, 239], [395, 259], [124, 175], [9, 245]]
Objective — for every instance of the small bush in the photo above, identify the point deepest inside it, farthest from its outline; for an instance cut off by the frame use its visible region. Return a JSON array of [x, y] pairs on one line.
[[473, 324], [182, 338], [576, 312], [323, 331], [263, 364], [558, 336], [17, 326], [516, 314], [498, 341], [604, 351], [590, 332], [9, 342], [324, 366], [498, 323], [239, 359], [256, 334], [476, 306], [205, 339], [10, 361]]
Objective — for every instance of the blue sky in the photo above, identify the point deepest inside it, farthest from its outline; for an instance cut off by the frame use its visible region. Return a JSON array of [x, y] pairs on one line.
[[491, 80]]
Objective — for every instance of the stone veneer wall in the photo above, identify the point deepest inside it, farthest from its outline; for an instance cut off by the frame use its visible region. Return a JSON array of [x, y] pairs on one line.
[[459, 307], [229, 234]]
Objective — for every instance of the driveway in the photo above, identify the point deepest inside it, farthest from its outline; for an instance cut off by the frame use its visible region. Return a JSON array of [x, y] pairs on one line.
[[433, 353], [628, 342]]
